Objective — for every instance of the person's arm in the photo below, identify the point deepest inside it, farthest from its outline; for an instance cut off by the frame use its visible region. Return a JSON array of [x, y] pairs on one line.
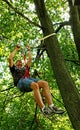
[[10, 59], [28, 63]]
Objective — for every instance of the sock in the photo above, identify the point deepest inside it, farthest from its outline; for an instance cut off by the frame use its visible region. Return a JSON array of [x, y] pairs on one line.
[[43, 108], [51, 105]]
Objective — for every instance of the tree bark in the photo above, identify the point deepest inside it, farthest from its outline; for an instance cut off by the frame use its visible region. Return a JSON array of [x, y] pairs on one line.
[[75, 24], [69, 92]]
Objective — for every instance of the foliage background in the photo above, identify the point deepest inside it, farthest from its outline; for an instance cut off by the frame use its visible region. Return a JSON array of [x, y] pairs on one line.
[[17, 111]]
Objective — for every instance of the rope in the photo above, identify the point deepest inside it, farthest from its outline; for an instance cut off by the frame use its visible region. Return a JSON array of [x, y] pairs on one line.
[[73, 1], [47, 36], [41, 39]]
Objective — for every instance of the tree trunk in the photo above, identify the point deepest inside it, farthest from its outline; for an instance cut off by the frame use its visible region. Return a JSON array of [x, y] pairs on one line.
[[79, 12], [70, 94], [75, 25]]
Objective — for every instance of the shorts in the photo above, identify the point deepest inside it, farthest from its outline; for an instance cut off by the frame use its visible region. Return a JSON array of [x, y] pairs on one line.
[[24, 84]]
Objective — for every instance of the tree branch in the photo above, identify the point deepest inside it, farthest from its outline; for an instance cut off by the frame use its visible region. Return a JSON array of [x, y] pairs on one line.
[[36, 120], [74, 61], [61, 25], [19, 13], [2, 37], [7, 89], [34, 117]]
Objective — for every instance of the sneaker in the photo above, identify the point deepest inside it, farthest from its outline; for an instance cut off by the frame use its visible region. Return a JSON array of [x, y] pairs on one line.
[[47, 112], [56, 110]]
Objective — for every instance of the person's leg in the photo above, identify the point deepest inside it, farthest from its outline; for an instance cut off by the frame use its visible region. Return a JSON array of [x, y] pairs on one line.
[[47, 94], [46, 90], [35, 87]]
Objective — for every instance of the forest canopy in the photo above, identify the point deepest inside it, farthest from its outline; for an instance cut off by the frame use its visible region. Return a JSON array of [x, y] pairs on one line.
[[21, 23]]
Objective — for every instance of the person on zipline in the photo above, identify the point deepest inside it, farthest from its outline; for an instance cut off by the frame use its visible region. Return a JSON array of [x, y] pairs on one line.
[[25, 83]]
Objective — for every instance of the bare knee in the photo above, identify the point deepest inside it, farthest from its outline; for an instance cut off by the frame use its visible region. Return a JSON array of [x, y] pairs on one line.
[[34, 86], [43, 83]]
